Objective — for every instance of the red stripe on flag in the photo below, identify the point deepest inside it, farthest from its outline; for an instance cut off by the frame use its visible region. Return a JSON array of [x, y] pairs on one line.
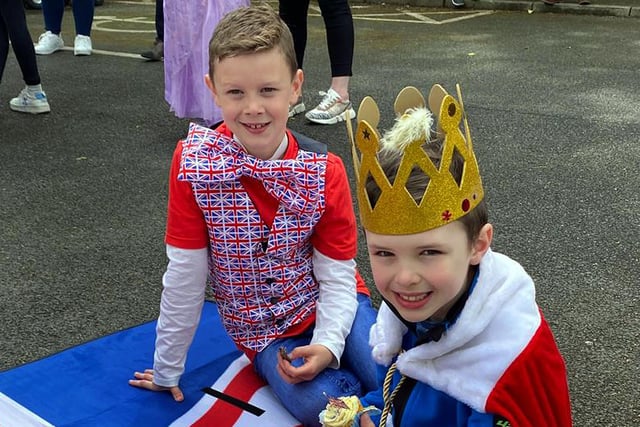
[[223, 414]]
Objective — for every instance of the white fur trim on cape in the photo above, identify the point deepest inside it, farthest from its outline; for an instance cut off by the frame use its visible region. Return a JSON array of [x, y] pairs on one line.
[[385, 336], [497, 322]]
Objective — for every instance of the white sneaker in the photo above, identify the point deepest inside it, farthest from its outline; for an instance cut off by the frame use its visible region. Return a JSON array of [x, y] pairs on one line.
[[331, 110], [296, 109], [82, 45], [30, 102], [48, 43]]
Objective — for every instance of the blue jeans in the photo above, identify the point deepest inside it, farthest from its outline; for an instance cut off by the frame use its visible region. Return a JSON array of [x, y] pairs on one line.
[[356, 376]]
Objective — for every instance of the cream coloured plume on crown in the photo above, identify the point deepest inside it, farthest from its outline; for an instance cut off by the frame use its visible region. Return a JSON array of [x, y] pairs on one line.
[[414, 125]]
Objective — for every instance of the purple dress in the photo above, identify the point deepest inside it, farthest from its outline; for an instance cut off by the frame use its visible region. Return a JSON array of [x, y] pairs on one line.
[[188, 26]]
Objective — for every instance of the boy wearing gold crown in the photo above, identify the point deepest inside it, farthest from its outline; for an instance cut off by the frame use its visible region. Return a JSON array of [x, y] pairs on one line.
[[459, 337]]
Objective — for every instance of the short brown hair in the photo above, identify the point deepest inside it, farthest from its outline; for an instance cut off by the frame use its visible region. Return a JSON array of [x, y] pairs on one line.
[[251, 29], [418, 181]]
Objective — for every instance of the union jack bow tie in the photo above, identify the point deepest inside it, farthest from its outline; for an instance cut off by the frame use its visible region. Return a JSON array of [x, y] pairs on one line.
[[209, 156]]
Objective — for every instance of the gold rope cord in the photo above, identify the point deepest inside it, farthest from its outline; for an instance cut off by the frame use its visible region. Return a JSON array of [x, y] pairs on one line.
[[388, 399]]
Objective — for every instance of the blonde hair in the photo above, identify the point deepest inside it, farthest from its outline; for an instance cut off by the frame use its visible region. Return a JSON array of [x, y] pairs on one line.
[[246, 30]]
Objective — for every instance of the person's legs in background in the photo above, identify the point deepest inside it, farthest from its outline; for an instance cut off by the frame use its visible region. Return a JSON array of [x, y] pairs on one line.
[[338, 22], [4, 39], [160, 20], [52, 12], [83, 17], [335, 106], [294, 14], [51, 40], [157, 51], [13, 26]]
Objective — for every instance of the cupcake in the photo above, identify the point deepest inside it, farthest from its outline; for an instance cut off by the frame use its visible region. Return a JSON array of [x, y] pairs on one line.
[[341, 412]]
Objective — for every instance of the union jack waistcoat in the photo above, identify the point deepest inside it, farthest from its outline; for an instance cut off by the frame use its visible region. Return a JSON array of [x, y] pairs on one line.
[[262, 278]]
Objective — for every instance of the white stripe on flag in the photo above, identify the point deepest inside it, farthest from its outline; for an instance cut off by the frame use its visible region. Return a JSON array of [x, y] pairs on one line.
[[203, 405], [12, 414], [275, 414]]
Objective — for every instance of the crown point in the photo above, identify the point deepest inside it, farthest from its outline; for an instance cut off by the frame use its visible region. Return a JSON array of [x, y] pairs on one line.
[[369, 112], [408, 98], [449, 186], [367, 138]]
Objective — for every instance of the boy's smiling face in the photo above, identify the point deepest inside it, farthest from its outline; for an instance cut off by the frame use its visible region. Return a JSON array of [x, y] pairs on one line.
[[422, 275], [254, 92]]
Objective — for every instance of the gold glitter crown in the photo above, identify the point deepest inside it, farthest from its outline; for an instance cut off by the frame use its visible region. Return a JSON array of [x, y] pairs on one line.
[[446, 199]]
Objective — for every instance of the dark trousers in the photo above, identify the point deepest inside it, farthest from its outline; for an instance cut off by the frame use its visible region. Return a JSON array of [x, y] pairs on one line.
[[160, 20], [13, 26], [338, 23], [52, 11]]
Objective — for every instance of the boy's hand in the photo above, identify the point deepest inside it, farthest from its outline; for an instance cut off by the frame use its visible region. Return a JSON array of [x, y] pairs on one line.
[[145, 380], [365, 421], [316, 358]]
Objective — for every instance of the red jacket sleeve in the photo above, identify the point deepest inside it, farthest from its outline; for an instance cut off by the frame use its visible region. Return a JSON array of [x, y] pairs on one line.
[[186, 227], [335, 234]]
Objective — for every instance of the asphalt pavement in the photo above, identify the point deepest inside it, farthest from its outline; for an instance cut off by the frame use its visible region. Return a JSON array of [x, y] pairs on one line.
[[621, 8], [554, 110]]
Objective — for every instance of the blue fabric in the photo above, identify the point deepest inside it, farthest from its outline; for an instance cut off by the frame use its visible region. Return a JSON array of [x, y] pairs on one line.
[[355, 376], [87, 385], [427, 327], [427, 406]]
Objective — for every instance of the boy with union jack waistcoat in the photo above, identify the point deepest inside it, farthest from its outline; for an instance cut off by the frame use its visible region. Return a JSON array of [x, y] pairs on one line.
[[266, 215]]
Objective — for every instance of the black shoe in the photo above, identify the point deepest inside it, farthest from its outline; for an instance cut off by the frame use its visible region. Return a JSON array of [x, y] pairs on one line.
[[156, 53]]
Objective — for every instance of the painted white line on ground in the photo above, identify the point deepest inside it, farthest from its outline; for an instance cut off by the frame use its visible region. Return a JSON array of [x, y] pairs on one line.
[[421, 17], [110, 53], [144, 2], [99, 22], [469, 16]]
